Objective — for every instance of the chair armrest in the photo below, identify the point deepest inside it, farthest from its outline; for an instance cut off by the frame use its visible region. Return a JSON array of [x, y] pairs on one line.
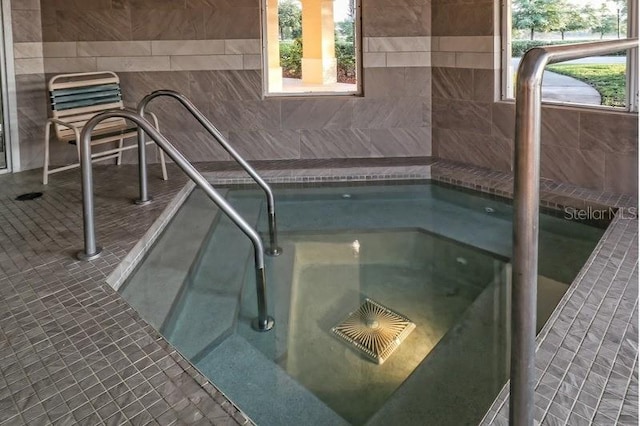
[[63, 124], [76, 129]]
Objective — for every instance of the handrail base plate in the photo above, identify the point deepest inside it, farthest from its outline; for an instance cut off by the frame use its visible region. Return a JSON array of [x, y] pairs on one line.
[[81, 255], [273, 252], [255, 324], [143, 203]]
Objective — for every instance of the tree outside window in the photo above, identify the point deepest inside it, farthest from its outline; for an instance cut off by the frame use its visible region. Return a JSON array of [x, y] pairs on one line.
[[548, 22], [330, 46]]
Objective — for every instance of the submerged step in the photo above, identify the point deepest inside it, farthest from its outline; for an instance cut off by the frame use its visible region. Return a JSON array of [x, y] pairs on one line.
[[267, 394], [437, 216], [212, 293], [155, 285]]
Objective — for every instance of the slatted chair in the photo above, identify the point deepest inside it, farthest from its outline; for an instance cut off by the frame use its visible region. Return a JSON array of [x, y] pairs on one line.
[[75, 99]]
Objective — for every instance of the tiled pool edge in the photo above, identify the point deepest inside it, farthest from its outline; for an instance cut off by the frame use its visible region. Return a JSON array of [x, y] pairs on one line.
[[583, 359], [164, 372], [131, 260], [553, 195]]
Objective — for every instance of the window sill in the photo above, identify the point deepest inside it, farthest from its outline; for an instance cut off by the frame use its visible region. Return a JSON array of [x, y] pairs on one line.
[[293, 87], [577, 107]]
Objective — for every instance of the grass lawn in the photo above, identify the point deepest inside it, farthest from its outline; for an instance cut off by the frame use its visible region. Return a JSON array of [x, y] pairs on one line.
[[608, 80]]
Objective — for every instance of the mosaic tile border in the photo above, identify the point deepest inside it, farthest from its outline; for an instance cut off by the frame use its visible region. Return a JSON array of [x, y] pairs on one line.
[[553, 195]]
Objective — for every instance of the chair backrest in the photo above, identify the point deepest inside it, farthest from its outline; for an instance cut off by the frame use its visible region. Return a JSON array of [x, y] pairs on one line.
[[76, 98]]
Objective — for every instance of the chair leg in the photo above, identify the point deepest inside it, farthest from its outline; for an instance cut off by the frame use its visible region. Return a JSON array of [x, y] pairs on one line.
[[78, 150], [45, 168], [120, 145]]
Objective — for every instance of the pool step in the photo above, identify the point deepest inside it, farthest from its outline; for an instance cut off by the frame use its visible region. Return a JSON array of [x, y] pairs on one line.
[[438, 216], [262, 389], [210, 301], [153, 289]]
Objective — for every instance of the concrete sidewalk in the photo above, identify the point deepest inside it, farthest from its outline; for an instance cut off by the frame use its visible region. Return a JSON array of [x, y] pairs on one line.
[[561, 88], [596, 60]]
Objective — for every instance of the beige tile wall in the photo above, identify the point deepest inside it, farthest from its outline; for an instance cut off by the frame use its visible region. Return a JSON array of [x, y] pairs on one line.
[[192, 55], [482, 52], [139, 55], [380, 52], [126, 20], [211, 52]]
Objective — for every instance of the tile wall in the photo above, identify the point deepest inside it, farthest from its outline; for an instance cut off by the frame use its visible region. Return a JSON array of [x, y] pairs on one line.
[[211, 52], [431, 69]]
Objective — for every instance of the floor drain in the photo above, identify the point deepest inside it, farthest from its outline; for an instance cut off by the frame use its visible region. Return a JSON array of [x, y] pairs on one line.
[[374, 330], [29, 196]]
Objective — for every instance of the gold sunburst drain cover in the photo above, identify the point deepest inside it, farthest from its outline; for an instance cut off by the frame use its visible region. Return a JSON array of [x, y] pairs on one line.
[[374, 330]]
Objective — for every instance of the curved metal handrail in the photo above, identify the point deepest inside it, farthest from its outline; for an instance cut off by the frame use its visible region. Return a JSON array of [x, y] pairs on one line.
[[91, 250], [525, 223], [274, 250]]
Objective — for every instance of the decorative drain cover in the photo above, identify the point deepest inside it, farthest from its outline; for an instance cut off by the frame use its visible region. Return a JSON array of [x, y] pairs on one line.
[[375, 330]]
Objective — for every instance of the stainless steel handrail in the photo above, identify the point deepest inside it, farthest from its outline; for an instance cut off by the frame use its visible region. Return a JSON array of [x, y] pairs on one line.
[[91, 250], [525, 223], [273, 250]]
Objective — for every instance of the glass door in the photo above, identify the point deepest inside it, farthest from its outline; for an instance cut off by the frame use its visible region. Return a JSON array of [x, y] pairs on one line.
[[3, 149], [6, 76]]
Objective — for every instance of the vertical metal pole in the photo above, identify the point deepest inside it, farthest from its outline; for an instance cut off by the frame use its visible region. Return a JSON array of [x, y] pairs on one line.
[[91, 249], [273, 250], [142, 166], [264, 322], [525, 237]]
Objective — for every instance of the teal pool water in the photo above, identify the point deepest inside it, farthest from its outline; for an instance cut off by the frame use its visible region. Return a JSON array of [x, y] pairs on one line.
[[436, 255]]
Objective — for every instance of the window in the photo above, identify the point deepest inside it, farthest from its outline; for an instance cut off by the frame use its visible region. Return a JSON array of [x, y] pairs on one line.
[[608, 81], [311, 47]]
